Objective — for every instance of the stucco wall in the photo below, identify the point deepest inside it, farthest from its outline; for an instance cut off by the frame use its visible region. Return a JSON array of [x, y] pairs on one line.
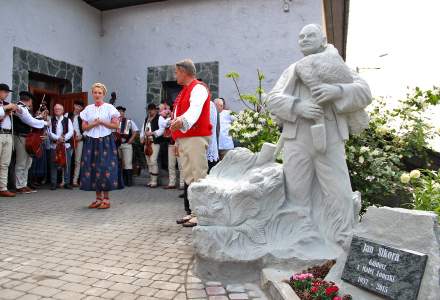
[[66, 30], [240, 34]]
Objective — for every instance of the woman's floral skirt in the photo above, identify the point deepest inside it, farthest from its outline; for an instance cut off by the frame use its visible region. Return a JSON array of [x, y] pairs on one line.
[[100, 165]]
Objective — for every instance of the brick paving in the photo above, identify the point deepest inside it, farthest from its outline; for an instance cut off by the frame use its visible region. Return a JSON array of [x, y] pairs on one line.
[[53, 247]]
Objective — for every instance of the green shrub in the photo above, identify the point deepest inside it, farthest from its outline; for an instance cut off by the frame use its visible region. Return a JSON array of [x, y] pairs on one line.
[[425, 188]]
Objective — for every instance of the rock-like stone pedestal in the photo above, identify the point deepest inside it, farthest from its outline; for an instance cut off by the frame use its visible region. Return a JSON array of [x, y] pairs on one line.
[[246, 223]]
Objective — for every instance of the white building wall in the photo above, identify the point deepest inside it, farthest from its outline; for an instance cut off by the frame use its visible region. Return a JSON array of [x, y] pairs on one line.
[[242, 35], [66, 30]]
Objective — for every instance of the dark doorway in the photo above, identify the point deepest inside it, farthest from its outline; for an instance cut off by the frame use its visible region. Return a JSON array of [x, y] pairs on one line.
[[170, 90], [45, 87], [52, 90]]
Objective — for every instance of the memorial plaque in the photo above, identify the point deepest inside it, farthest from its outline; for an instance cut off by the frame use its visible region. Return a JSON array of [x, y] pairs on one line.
[[387, 271]]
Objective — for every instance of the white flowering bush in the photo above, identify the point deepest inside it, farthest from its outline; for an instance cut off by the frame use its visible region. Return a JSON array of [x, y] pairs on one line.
[[396, 142], [375, 172], [252, 129], [253, 126]]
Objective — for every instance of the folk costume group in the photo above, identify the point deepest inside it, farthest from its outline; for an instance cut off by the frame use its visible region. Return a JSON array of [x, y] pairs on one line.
[[99, 137]]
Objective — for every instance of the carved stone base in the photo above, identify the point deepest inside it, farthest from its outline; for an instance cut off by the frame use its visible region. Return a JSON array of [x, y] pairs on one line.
[[246, 223], [249, 271]]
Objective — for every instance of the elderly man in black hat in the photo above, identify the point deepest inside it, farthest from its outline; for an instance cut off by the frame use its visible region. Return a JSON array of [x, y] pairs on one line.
[[128, 131], [5, 139], [23, 124]]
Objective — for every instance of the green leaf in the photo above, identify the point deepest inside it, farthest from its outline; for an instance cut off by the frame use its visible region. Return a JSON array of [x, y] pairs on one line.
[[232, 75], [250, 98], [260, 91]]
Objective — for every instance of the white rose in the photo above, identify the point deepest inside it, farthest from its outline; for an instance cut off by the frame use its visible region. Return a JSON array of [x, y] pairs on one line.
[[364, 149], [382, 130], [405, 178], [414, 174], [361, 160]]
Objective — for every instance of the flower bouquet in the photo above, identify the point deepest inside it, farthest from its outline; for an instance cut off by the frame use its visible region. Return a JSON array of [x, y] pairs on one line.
[[307, 287]]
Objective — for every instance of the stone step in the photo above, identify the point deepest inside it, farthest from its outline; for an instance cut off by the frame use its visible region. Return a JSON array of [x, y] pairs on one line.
[[272, 283]]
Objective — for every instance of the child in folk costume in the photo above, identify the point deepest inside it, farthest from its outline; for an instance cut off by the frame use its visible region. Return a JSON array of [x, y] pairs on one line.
[[99, 164]]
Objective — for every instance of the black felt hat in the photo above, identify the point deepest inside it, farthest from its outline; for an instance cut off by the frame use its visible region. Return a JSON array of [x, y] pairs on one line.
[[5, 87], [121, 108], [79, 102], [24, 95], [151, 106]]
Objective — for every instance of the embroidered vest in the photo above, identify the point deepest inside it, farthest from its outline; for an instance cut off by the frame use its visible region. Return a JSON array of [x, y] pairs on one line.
[[203, 125]]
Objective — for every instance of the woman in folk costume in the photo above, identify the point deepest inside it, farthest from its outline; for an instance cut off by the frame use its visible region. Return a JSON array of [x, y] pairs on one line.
[[99, 165]]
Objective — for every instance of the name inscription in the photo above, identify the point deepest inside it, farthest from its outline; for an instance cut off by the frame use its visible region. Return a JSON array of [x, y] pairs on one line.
[[390, 272]]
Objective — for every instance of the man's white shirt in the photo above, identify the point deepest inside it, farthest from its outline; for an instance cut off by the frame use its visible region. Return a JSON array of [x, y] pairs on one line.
[[60, 130], [199, 95]]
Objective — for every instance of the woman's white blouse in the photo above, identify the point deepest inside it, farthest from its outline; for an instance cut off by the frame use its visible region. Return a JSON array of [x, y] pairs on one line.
[[104, 112]]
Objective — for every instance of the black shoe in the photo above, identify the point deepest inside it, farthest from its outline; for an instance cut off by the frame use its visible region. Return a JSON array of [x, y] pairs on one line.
[[53, 187], [124, 177], [67, 186], [129, 178]]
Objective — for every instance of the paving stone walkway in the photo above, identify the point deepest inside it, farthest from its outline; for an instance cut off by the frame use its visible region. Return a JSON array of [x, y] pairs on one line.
[[53, 247]]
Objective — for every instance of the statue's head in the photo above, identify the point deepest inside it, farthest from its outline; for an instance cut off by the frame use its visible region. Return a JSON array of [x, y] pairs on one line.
[[312, 39]]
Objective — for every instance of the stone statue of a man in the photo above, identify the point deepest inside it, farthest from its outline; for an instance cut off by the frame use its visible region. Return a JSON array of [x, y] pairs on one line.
[[318, 99]]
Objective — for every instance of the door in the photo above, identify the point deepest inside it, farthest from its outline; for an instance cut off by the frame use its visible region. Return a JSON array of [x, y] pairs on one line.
[[67, 100], [170, 90], [39, 95]]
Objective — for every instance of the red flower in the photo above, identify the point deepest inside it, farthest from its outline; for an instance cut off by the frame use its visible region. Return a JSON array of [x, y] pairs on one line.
[[337, 298], [331, 290], [316, 283], [314, 289]]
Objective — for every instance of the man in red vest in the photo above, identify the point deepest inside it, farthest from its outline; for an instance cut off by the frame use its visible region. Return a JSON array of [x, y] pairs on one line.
[[191, 129]]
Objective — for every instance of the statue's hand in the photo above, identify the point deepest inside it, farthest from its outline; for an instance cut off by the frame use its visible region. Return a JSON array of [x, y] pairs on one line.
[[326, 92], [308, 110]]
